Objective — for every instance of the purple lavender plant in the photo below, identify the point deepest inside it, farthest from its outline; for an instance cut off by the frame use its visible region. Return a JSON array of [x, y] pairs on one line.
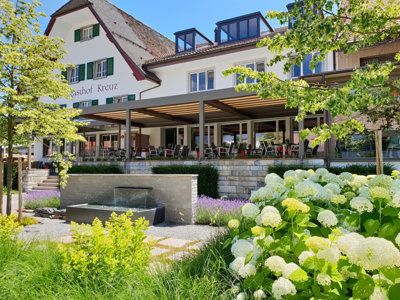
[[217, 211], [35, 199]]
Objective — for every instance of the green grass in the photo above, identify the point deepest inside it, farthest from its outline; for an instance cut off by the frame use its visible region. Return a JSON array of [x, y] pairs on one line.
[[5, 191], [34, 271]]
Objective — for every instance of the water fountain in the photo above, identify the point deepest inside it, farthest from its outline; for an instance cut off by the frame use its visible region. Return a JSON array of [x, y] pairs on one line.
[[136, 199]]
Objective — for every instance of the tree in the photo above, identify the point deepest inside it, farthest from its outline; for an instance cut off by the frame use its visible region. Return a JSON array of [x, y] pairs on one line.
[[321, 27], [30, 65]]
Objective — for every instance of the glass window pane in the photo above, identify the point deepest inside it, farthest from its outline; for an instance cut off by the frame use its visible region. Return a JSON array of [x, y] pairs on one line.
[[193, 83], [233, 32], [189, 41], [248, 79], [237, 79], [243, 29], [265, 131], [296, 71], [202, 81], [306, 65], [210, 80], [260, 67], [318, 68], [253, 28], [223, 33], [181, 43]]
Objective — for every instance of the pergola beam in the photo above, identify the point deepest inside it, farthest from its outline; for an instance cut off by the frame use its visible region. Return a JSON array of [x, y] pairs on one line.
[[163, 116], [229, 109], [115, 121]]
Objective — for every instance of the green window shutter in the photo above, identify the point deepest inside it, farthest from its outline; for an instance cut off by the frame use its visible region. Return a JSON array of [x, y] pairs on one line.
[[77, 35], [64, 73], [63, 106], [132, 97], [109, 100], [95, 102], [81, 72], [75, 105], [90, 70], [96, 30], [110, 66]]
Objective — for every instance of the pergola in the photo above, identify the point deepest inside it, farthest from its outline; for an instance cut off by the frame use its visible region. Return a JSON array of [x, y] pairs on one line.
[[194, 108]]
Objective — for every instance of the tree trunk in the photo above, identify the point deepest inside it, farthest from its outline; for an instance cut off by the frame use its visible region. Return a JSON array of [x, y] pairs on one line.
[[379, 154], [1, 183], [20, 190], [9, 167]]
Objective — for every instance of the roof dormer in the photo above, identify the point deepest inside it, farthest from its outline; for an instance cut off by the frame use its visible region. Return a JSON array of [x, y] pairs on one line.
[[190, 40], [242, 28]]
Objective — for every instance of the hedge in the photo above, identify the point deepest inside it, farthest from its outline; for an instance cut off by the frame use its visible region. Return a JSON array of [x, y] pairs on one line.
[[207, 182], [14, 176], [354, 169], [95, 169]]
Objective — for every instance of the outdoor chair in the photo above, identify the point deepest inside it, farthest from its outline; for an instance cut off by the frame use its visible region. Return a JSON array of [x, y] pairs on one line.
[[208, 151], [268, 148], [137, 153], [294, 149], [223, 151], [153, 151], [121, 153], [312, 152], [174, 152], [239, 150], [185, 151]]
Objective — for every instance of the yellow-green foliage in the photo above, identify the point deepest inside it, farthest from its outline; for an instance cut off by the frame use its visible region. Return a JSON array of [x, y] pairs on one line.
[[114, 248], [9, 228]]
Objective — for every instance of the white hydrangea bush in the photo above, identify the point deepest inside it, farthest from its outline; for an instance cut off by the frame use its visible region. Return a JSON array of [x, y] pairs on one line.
[[315, 234]]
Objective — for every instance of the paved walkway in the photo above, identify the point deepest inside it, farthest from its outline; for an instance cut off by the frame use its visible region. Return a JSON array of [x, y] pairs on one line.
[[14, 203], [171, 241]]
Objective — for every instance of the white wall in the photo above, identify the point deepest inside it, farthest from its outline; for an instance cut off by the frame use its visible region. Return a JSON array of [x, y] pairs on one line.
[[121, 83]]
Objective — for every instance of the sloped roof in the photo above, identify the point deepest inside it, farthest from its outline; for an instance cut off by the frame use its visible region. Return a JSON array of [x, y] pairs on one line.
[[215, 48], [136, 41]]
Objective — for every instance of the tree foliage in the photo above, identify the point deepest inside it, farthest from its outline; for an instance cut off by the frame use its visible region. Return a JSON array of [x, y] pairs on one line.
[[30, 65], [323, 26]]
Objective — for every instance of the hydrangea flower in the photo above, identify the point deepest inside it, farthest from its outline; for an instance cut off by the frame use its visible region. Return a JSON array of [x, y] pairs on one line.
[[289, 268], [302, 174], [396, 200], [235, 289], [262, 194], [247, 270], [271, 219], [276, 187], [233, 224], [321, 171], [339, 199], [349, 195], [306, 189], [250, 210], [346, 176], [237, 264], [304, 255], [332, 178], [314, 178], [323, 279], [331, 255], [282, 287], [241, 247], [290, 181], [360, 180], [257, 230], [289, 173], [327, 218], [259, 294], [293, 204], [241, 296], [382, 180], [316, 243], [273, 178], [333, 187], [374, 253], [395, 187], [379, 294], [378, 192], [348, 240], [269, 208], [361, 204], [397, 240], [275, 263], [323, 195]]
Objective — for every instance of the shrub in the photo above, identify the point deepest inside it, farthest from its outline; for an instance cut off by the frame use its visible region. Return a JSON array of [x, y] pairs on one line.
[[320, 235], [14, 176], [117, 247], [36, 199], [207, 182], [217, 212], [96, 169], [354, 169], [26, 221], [9, 228]]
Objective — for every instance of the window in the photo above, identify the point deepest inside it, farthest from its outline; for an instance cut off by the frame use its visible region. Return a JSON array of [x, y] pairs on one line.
[[258, 66], [73, 74], [100, 68], [202, 81], [305, 68], [190, 39], [87, 33], [241, 28], [120, 99], [84, 104]]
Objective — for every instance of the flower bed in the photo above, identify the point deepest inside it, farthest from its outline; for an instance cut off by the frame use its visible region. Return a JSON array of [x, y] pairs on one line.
[[36, 199], [318, 235], [218, 212]]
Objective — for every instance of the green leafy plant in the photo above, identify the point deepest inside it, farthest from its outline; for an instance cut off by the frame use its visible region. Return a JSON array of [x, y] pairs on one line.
[[207, 183], [9, 228], [95, 169], [117, 247], [315, 234]]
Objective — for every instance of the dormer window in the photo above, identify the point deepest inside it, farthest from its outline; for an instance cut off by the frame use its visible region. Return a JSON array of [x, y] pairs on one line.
[[190, 40], [302, 8], [87, 33], [242, 28], [305, 69]]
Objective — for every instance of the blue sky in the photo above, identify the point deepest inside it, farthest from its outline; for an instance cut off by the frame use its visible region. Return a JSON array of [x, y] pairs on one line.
[[169, 16]]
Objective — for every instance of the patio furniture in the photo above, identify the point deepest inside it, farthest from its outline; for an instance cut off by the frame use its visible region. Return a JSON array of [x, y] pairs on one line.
[[294, 149], [238, 151], [312, 152], [137, 153], [174, 152], [153, 151], [268, 148], [121, 153], [185, 151]]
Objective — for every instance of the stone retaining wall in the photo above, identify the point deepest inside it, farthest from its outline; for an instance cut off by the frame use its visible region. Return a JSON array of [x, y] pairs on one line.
[[31, 178], [237, 177]]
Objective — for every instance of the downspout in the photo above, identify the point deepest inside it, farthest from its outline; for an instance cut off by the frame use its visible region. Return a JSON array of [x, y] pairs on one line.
[[149, 89]]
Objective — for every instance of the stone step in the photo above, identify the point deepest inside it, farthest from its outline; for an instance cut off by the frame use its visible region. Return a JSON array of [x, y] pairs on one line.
[[55, 184], [44, 188], [52, 180], [53, 177]]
